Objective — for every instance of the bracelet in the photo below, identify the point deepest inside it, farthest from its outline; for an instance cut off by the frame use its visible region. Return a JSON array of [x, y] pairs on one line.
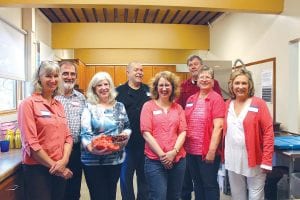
[[177, 151]]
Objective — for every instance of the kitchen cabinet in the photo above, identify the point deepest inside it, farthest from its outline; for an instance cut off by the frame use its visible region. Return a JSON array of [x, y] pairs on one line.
[[118, 73], [12, 188]]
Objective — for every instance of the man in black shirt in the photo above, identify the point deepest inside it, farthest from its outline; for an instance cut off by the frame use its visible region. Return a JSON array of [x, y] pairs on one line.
[[133, 94]]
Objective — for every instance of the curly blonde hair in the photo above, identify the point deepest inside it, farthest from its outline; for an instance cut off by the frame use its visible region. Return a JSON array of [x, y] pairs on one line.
[[169, 76]]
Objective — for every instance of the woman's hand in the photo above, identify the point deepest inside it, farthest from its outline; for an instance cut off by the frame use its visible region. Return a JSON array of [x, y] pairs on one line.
[[170, 155], [210, 156], [66, 174], [167, 163], [123, 142], [58, 167]]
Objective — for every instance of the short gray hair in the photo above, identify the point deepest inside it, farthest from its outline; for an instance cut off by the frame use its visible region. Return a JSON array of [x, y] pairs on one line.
[[132, 64], [192, 57], [208, 69]]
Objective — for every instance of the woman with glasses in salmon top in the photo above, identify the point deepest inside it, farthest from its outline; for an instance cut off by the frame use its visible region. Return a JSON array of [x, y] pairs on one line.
[[163, 127]]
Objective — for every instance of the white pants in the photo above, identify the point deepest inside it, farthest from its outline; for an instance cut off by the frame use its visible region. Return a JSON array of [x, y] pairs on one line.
[[239, 185]]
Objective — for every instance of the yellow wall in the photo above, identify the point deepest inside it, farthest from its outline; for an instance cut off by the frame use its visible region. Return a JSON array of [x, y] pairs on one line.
[[124, 56], [129, 35]]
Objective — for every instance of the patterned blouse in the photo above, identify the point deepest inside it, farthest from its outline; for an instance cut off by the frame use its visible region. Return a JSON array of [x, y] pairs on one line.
[[96, 120]]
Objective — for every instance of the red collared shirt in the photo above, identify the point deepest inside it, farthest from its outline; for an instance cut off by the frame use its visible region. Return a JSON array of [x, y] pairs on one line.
[[43, 126]]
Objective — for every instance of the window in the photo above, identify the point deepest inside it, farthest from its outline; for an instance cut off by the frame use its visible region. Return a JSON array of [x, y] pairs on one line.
[[8, 91]]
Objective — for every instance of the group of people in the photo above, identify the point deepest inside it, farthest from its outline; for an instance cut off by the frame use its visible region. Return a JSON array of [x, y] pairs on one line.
[[177, 135]]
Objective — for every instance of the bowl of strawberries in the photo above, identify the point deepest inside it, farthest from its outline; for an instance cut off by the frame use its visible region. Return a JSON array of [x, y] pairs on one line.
[[110, 142]]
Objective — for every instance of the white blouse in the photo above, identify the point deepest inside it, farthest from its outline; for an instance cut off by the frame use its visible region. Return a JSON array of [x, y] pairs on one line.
[[236, 156]]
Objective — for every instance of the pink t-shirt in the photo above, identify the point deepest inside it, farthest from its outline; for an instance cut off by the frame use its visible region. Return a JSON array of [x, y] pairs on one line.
[[195, 129], [164, 127], [43, 126]]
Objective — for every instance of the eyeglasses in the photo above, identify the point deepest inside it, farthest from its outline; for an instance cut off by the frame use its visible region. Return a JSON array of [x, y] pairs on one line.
[[204, 78], [164, 85]]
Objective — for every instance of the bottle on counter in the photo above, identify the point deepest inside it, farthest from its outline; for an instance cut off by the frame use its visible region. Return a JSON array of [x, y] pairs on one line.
[[10, 137], [18, 143]]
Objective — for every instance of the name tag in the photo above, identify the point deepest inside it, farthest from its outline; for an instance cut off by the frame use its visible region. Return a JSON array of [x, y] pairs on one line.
[[148, 94], [157, 112], [109, 114], [189, 105], [45, 113], [253, 109], [75, 103]]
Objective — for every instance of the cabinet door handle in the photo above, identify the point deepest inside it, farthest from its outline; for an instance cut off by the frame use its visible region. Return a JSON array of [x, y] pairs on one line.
[[13, 188]]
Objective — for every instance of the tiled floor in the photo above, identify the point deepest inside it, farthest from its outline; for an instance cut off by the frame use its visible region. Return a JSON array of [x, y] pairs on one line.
[[85, 193]]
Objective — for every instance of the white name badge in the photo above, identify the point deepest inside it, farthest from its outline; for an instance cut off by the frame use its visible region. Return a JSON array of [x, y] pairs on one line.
[[45, 113], [157, 112], [253, 109], [189, 105], [75, 103]]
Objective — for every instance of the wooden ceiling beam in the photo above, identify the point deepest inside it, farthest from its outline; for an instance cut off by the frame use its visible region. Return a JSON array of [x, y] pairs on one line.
[[257, 6]]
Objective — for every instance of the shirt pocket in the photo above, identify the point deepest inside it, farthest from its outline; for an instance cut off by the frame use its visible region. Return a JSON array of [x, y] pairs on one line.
[[44, 118]]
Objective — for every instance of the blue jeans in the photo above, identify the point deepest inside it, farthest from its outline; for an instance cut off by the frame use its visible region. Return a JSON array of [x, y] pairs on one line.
[[205, 177], [188, 185], [164, 183], [134, 161]]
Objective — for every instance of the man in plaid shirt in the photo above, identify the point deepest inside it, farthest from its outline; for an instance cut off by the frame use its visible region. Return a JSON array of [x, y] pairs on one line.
[[73, 102]]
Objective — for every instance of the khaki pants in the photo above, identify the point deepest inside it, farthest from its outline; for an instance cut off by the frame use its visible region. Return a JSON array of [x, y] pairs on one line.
[[239, 185]]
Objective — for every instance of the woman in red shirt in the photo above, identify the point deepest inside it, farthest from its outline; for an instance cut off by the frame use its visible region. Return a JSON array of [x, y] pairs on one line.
[[46, 138], [163, 127], [204, 114]]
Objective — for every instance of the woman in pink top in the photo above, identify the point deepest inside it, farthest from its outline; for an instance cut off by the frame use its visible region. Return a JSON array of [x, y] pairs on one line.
[[46, 139], [204, 114], [163, 127], [249, 138]]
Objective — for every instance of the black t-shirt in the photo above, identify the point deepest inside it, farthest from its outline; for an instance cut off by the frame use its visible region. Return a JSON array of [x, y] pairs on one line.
[[134, 101]]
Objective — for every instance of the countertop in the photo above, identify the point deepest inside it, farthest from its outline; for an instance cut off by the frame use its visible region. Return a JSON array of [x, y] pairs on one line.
[[9, 162]]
